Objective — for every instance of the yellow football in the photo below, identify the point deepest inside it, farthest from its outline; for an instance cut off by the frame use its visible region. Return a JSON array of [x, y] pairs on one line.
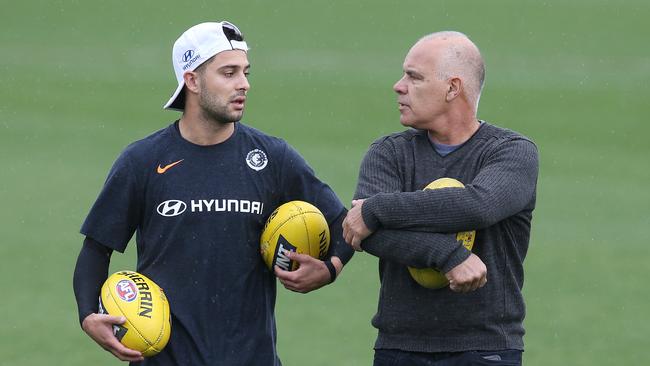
[[430, 278], [145, 307], [295, 226]]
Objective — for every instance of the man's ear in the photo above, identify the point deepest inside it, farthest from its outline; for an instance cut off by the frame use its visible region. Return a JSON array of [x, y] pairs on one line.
[[454, 88], [192, 81]]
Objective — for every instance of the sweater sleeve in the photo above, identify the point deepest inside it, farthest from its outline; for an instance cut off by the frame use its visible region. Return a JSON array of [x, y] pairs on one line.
[[417, 249], [504, 186], [380, 173]]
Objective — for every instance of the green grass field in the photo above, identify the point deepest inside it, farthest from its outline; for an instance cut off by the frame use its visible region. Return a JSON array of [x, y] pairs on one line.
[[80, 80]]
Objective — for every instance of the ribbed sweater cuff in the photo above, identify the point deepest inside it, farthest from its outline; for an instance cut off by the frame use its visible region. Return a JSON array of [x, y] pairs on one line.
[[367, 212], [456, 257]]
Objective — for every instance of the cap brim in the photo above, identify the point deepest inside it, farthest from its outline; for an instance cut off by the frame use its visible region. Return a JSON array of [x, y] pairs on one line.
[[177, 101]]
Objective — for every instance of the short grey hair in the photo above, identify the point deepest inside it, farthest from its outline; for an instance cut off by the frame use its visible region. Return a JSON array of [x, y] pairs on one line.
[[461, 58]]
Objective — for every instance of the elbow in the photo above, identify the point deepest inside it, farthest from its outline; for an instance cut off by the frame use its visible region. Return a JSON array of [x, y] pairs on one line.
[[482, 218]]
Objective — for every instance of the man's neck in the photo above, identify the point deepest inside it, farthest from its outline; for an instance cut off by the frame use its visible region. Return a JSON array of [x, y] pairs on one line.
[[203, 132], [453, 130]]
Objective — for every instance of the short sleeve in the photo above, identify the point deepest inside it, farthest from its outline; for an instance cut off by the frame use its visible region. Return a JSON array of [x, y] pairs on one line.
[[299, 182], [115, 215]]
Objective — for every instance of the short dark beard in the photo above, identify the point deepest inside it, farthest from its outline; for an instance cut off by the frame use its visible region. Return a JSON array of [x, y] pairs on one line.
[[219, 116], [211, 109]]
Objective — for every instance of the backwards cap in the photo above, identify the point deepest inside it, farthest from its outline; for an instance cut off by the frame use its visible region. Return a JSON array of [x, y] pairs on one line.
[[197, 45]]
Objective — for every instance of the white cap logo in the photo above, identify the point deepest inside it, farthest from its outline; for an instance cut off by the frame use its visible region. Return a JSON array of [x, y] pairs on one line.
[[256, 159], [187, 55]]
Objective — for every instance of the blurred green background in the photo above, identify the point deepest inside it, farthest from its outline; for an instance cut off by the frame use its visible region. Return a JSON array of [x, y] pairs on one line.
[[80, 80]]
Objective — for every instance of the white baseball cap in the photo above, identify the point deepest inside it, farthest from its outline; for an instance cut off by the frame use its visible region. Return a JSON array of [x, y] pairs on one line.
[[197, 45]]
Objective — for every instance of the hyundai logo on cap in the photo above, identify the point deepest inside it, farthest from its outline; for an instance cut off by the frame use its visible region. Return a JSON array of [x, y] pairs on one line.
[[188, 55]]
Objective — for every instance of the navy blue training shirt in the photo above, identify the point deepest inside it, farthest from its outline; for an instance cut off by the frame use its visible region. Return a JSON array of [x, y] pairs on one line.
[[198, 212]]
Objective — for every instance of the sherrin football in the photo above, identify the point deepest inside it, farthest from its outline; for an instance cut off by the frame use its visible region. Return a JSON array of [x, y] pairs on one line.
[[430, 278], [145, 307], [295, 226]]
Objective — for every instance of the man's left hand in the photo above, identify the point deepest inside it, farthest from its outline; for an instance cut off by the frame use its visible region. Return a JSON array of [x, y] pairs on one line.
[[311, 274], [354, 228]]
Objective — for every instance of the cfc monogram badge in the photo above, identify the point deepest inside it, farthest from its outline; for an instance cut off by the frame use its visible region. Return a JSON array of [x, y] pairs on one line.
[[256, 159]]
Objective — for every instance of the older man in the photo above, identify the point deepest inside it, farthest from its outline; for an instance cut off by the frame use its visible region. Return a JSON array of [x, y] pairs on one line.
[[479, 317]]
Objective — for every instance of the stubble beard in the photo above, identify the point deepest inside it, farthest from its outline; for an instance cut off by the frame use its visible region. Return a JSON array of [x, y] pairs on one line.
[[216, 110]]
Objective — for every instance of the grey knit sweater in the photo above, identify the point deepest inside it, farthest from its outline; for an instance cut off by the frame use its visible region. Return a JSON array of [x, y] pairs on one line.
[[412, 227]]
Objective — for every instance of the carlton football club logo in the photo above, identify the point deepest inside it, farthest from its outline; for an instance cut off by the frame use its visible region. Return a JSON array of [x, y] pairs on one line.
[[256, 159], [126, 290]]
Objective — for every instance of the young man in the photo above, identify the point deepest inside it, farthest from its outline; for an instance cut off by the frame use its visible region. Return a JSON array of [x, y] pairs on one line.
[[479, 317], [198, 193]]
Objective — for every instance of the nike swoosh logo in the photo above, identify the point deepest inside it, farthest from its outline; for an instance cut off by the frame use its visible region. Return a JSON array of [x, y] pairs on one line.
[[161, 169]]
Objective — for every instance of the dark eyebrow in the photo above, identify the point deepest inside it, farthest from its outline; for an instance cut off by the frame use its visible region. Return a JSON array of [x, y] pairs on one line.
[[234, 67]]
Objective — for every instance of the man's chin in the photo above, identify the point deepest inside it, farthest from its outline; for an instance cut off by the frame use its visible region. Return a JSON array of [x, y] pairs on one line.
[[223, 118], [237, 116], [405, 122]]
